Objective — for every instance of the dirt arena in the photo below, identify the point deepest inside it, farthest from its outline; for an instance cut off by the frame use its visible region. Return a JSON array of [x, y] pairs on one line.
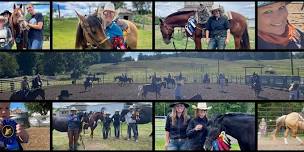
[[278, 144], [130, 92], [39, 139]]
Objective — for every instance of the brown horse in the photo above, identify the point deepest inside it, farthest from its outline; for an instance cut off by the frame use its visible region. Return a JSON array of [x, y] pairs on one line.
[[93, 121], [19, 27], [293, 121], [238, 28], [91, 33]]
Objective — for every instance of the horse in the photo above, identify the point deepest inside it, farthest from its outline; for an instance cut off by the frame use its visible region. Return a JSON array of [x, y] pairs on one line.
[[93, 121], [122, 80], [32, 95], [180, 78], [88, 84], [292, 121], [256, 86], [157, 79], [144, 89], [238, 28], [238, 125], [19, 27], [206, 81], [91, 33], [169, 81], [130, 80]]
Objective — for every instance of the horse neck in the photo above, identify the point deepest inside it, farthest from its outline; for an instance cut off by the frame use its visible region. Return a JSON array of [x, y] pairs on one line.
[[178, 20], [231, 128]]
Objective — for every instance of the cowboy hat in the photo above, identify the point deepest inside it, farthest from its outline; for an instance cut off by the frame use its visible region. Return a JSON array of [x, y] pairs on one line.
[[73, 109], [175, 103], [6, 12], [107, 113], [64, 93], [264, 3], [117, 110], [109, 7], [215, 7], [3, 18], [201, 106], [131, 107]]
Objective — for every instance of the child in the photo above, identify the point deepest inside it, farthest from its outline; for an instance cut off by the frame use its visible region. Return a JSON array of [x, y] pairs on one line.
[[5, 35], [21, 134]]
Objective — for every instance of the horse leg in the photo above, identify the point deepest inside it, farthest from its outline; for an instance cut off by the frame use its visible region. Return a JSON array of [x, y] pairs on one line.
[[285, 135], [237, 42]]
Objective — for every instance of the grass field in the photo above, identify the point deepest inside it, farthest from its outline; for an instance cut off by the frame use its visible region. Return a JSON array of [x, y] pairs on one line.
[[180, 41], [60, 140], [46, 45], [160, 139], [64, 35]]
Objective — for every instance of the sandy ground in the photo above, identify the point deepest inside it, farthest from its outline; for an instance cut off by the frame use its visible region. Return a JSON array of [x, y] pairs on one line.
[[278, 144], [39, 139]]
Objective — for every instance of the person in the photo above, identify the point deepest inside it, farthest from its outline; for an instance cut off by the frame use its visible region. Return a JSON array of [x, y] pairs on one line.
[[21, 134], [36, 23], [197, 128], [203, 15], [176, 127], [37, 82], [106, 125], [25, 87], [274, 29], [116, 123], [6, 37], [64, 95], [131, 124], [294, 91], [6, 14], [169, 76], [256, 80], [113, 31], [263, 127], [206, 80], [217, 29], [73, 128], [221, 82], [178, 91]]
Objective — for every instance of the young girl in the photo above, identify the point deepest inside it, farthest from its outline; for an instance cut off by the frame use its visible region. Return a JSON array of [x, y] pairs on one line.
[[274, 30], [21, 134], [5, 35]]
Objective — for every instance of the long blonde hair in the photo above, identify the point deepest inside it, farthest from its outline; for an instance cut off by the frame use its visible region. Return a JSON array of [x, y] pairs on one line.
[[196, 115], [174, 116]]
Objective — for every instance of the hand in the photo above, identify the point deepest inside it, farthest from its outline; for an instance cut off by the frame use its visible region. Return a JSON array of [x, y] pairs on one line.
[[21, 133], [226, 41], [198, 127]]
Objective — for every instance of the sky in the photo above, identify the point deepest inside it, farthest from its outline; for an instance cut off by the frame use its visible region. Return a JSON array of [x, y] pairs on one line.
[[19, 105], [39, 8], [134, 55]]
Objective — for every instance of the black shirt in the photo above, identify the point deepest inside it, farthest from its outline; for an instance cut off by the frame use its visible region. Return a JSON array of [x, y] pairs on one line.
[[116, 118], [217, 27], [34, 33], [197, 137], [178, 131]]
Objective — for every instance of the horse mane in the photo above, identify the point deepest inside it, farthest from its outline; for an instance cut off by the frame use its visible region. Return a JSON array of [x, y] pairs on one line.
[[80, 40], [178, 13]]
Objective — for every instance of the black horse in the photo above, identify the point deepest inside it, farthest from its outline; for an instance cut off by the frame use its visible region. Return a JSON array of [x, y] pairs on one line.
[[88, 84], [238, 125], [122, 80], [169, 81], [31, 95], [61, 123]]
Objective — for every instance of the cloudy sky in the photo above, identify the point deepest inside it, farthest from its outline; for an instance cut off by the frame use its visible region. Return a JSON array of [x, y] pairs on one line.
[[163, 9], [134, 55], [39, 8]]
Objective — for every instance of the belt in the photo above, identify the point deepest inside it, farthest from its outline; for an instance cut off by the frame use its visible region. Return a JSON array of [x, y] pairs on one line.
[[179, 139]]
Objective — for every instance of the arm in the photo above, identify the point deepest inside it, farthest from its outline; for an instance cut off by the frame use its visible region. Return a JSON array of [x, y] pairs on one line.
[[37, 27], [191, 129]]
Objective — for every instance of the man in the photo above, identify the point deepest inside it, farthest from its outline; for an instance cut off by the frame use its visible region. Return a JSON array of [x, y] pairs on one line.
[[35, 35], [106, 125], [74, 125], [116, 123], [217, 29], [25, 87], [131, 121]]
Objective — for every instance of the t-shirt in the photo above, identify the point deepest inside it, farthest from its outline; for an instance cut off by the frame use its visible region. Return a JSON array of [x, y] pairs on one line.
[[218, 27], [113, 30], [34, 33]]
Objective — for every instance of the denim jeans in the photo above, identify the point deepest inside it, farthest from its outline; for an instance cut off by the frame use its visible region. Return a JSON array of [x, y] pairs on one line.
[[134, 128], [35, 44], [217, 42], [176, 144], [116, 130]]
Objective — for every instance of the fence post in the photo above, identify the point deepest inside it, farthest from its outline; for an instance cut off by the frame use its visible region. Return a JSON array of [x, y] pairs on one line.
[[1, 86], [12, 85]]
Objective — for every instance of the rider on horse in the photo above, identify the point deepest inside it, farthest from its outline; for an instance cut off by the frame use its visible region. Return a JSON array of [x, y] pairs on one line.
[[113, 31], [169, 76], [25, 87], [154, 81], [37, 82], [256, 81]]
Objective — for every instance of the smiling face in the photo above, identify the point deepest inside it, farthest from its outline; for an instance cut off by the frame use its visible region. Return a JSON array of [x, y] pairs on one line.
[[30, 9], [108, 15], [216, 13], [179, 108], [273, 18]]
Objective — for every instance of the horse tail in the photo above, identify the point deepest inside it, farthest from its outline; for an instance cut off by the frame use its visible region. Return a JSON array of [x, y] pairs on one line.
[[80, 40], [245, 44], [280, 122]]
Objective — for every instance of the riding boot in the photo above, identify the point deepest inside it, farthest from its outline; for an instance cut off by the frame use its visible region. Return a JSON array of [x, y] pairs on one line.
[[71, 148], [75, 147]]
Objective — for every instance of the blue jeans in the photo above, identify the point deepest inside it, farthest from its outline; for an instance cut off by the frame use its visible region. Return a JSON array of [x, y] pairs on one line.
[[35, 44], [176, 144], [6, 47], [134, 128], [217, 42]]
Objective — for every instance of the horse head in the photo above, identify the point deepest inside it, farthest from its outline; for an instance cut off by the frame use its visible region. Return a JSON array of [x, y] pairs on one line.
[[90, 29], [166, 30], [17, 18], [214, 128]]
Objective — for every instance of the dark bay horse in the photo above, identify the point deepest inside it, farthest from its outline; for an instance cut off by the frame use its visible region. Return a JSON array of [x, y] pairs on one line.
[[92, 122], [238, 125], [238, 28], [32, 95], [19, 27]]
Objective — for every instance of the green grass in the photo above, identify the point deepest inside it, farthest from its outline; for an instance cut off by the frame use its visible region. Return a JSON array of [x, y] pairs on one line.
[[64, 35], [60, 140], [45, 45], [160, 140], [180, 41]]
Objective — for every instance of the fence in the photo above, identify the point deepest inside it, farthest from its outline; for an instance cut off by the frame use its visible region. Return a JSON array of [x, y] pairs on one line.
[[160, 126], [9, 85], [275, 80]]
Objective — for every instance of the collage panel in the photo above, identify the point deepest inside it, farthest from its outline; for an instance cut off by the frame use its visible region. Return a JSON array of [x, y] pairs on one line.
[[280, 126], [204, 25], [25, 126], [25, 25], [104, 126], [280, 25], [102, 25], [218, 126]]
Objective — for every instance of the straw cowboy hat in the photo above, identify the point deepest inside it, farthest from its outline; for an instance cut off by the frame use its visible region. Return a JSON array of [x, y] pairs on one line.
[[117, 110], [175, 103], [73, 109], [264, 3], [215, 7], [110, 7], [201, 106], [131, 107]]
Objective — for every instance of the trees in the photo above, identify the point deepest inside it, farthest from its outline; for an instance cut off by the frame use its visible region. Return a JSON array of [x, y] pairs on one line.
[[8, 65]]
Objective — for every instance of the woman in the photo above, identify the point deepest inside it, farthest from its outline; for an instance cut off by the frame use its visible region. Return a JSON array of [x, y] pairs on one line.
[[274, 30], [217, 30], [113, 31], [73, 129], [197, 128], [176, 126], [6, 37]]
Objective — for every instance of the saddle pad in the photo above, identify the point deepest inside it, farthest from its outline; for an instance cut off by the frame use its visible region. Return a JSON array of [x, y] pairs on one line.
[[191, 25]]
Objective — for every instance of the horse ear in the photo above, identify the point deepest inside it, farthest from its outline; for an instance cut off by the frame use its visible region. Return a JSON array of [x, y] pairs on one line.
[[161, 21], [81, 18], [20, 6], [14, 6]]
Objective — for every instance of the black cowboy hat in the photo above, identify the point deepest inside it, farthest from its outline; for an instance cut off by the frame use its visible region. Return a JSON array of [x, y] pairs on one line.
[[64, 93], [6, 12], [175, 103]]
